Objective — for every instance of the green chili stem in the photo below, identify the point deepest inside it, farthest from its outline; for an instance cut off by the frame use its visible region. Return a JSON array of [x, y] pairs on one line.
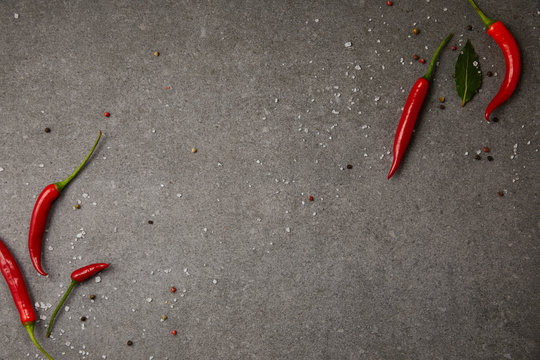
[[429, 73], [487, 21], [30, 328], [60, 185], [49, 328]]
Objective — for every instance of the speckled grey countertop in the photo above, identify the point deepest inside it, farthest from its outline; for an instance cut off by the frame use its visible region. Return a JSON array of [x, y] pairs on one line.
[[432, 264]]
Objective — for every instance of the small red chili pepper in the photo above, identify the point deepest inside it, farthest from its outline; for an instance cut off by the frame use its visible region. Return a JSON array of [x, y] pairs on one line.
[[19, 292], [510, 49], [41, 213], [412, 109], [77, 276]]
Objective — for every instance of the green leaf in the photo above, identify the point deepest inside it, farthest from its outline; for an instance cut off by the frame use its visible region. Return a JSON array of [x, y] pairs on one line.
[[467, 73]]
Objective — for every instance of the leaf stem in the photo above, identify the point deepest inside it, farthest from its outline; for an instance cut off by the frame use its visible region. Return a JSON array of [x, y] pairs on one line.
[[60, 185], [487, 21], [30, 328], [429, 73], [49, 328]]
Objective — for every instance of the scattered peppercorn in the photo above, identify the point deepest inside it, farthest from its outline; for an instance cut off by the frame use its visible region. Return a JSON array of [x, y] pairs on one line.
[[415, 31], [349, 166], [500, 193], [441, 99], [489, 74], [310, 198], [173, 289], [389, 3], [173, 332], [92, 297], [422, 61], [469, 27], [194, 150], [485, 149], [490, 158], [47, 130], [416, 57], [107, 114], [163, 317], [156, 53], [83, 318], [129, 343], [495, 119], [77, 206], [442, 107], [150, 222], [454, 48], [477, 157]]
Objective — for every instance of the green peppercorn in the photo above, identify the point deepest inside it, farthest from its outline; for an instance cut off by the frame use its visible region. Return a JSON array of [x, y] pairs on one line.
[[490, 158], [416, 57], [150, 222], [47, 130], [415, 31], [83, 318], [77, 206], [92, 297], [477, 157], [129, 343], [349, 166], [489, 74], [441, 99], [442, 107]]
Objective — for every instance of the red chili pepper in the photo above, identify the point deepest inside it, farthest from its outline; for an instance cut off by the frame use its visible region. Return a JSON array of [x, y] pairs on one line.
[[41, 213], [19, 292], [77, 277], [510, 49], [412, 109]]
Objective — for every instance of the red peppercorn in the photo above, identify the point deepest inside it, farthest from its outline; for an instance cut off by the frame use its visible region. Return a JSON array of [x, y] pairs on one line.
[[422, 61], [486, 149], [173, 332], [106, 114], [310, 198], [453, 47], [173, 289], [389, 3]]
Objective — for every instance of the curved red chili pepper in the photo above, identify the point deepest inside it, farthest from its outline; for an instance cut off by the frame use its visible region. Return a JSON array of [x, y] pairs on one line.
[[19, 292], [40, 213], [510, 50], [88, 271], [77, 276], [412, 110]]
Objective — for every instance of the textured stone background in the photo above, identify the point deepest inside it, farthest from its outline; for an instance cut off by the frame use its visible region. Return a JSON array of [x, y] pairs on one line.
[[432, 264]]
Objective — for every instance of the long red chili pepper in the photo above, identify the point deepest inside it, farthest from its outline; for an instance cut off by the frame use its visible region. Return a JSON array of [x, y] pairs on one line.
[[412, 109], [41, 213], [510, 49], [16, 284], [77, 276]]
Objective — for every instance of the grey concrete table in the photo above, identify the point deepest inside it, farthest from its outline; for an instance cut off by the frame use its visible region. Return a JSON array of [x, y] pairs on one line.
[[433, 264]]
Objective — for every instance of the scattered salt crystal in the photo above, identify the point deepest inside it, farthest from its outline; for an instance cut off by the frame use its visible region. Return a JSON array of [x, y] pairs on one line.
[[348, 44], [66, 309], [288, 229], [149, 300], [179, 195], [16, 16], [214, 281], [98, 279], [377, 98], [41, 165], [1, 168]]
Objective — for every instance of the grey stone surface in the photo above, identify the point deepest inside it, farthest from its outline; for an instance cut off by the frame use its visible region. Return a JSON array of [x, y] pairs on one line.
[[432, 264]]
